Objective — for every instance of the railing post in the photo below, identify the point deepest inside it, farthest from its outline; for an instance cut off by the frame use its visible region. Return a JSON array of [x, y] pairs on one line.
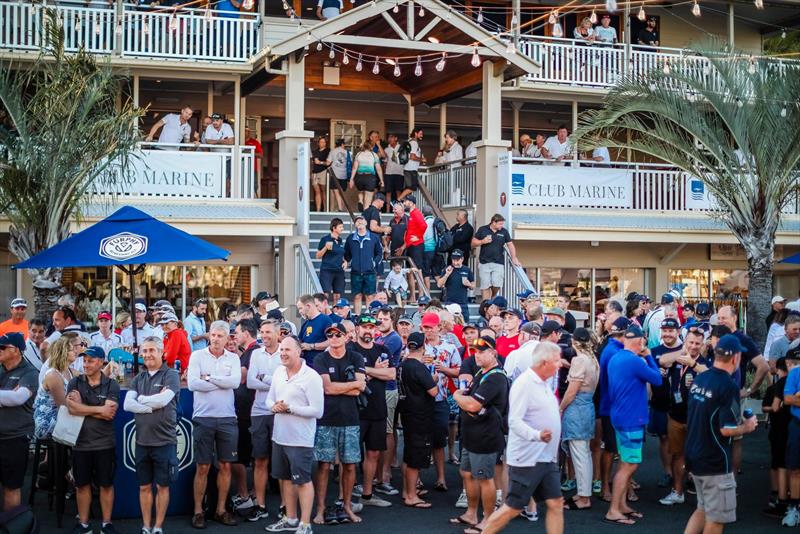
[[119, 22]]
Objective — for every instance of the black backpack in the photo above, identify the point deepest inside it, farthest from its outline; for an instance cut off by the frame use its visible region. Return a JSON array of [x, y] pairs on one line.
[[404, 152], [444, 238]]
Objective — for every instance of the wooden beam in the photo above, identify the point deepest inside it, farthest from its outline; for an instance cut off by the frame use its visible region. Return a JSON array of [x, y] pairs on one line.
[[396, 27], [428, 27], [425, 46], [464, 84]]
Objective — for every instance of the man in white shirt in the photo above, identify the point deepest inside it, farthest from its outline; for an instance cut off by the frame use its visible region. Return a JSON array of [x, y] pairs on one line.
[[557, 147], [519, 360], [32, 354], [175, 127], [297, 400], [534, 423], [219, 132], [338, 159], [105, 338], [411, 168], [213, 375], [143, 329], [263, 363], [605, 33], [601, 155], [452, 151], [393, 175]]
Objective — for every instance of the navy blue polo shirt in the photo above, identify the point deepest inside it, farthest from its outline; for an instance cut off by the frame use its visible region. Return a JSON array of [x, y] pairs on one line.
[[455, 290], [748, 354], [332, 260], [313, 331]]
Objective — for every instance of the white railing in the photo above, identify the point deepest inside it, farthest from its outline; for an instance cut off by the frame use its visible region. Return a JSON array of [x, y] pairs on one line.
[[188, 171], [306, 279], [186, 34], [451, 184], [516, 279]]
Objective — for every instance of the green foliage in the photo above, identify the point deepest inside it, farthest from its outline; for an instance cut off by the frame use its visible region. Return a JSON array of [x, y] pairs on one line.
[[783, 45]]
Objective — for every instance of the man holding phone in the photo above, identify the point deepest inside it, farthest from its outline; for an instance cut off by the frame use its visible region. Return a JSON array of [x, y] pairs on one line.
[[457, 280]]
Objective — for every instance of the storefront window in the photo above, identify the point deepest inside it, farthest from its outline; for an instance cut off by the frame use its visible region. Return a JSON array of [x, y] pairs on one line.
[[573, 282], [691, 283], [729, 284], [617, 284]]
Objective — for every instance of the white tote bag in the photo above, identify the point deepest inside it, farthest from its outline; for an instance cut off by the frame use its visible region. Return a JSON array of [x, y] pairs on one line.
[[68, 427]]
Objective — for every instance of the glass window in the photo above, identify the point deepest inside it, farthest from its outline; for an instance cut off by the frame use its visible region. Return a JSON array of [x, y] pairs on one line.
[[573, 282], [692, 283], [617, 284], [729, 284], [220, 284]]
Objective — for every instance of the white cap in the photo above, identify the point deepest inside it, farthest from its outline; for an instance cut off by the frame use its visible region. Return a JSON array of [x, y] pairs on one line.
[[793, 306], [778, 298], [453, 308]]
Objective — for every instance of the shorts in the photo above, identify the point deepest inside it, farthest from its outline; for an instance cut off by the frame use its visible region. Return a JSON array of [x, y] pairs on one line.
[[411, 180], [428, 256], [13, 462], [261, 435], [362, 283], [215, 436], [94, 467], [342, 442], [417, 449], [657, 423], [441, 423], [319, 178], [609, 435], [393, 183], [244, 445], [629, 444], [416, 253], [452, 405], [399, 291], [344, 183], [157, 464], [793, 445], [332, 281], [479, 465], [676, 435], [716, 496], [491, 275], [777, 449], [541, 481], [292, 463], [391, 409], [366, 182], [373, 434]]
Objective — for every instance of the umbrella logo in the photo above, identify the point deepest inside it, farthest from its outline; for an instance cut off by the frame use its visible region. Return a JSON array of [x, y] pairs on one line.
[[123, 246]]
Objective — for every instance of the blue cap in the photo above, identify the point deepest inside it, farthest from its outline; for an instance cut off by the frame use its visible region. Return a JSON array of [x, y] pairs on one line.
[[728, 345], [423, 300], [341, 303], [703, 309], [374, 305], [670, 323], [667, 298], [500, 302], [13, 339], [527, 293], [620, 325], [513, 311], [94, 352], [633, 332]]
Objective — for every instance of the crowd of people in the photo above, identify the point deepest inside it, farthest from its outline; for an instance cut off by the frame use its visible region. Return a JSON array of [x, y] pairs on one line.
[[534, 409]]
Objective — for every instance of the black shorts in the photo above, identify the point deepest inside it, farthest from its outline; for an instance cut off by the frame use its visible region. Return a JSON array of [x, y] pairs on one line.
[[417, 255], [244, 446], [777, 447], [156, 464], [373, 434], [393, 183], [292, 463], [541, 481], [332, 281], [793, 445], [441, 424], [417, 449], [215, 437], [94, 467], [411, 180], [344, 184], [13, 462], [261, 435], [609, 435], [366, 182]]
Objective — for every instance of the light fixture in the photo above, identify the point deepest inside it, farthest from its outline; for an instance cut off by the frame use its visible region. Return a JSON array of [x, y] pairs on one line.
[[480, 15], [783, 112], [611, 5], [510, 49], [332, 54], [593, 17], [418, 67], [421, 11], [311, 89], [557, 30], [285, 6], [751, 68], [173, 22], [248, 5], [396, 8], [666, 68], [396, 69], [207, 15], [319, 46], [553, 18], [759, 4], [513, 21], [376, 68], [706, 69], [476, 59], [390, 61], [433, 40], [345, 58], [696, 9], [308, 37], [449, 13], [359, 65], [440, 64], [641, 15], [783, 34]]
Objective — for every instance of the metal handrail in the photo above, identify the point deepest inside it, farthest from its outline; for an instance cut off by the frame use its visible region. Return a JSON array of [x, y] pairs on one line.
[[516, 279], [415, 272], [338, 186], [306, 278], [426, 194]]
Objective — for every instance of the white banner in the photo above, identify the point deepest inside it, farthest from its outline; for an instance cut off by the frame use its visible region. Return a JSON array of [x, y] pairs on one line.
[[504, 186], [550, 185], [172, 172], [698, 197]]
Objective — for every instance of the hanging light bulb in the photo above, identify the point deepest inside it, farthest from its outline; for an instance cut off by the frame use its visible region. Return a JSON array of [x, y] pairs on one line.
[[641, 15], [593, 17], [308, 37], [359, 65], [418, 67], [476, 59], [783, 112], [421, 11], [248, 5], [440, 64], [375, 68], [345, 58], [319, 46], [666, 68], [696, 9], [611, 5], [706, 69], [449, 13], [759, 4], [118, 30], [207, 14], [146, 28], [751, 68], [510, 49], [557, 30], [285, 6], [396, 69], [332, 54], [739, 102], [783, 34], [513, 21], [480, 15], [396, 8], [97, 27], [173, 22], [553, 18]]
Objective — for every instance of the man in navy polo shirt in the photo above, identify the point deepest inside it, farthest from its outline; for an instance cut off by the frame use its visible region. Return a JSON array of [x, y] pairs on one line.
[[457, 280], [312, 331], [364, 252]]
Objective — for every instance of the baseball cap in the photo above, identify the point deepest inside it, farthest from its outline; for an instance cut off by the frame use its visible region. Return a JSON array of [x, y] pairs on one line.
[[275, 314], [582, 334], [263, 295], [793, 353], [531, 328], [94, 352], [104, 315], [13, 339], [457, 253], [670, 323], [483, 343], [410, 198], [548, 327], [473, 326], [160, 303], [405, 319], [556, 311], [703, 309], [287, 326], [423, 301], [513, 311], [728, 345], [140, 307], [454, 308], [341, 303], [524, 295], [168, 317], [719, 330], [619, 325], [339, 327], [667, 298], [633, 332], [19, 302], [775, 300], [416, 340], [430, 319], [374, 305], [379, 196], [688, 307], [215, 116], [500, 302]]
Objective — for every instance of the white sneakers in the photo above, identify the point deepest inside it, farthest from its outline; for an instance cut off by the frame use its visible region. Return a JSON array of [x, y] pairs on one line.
[[672, 498], [792, 517], [462, 500]]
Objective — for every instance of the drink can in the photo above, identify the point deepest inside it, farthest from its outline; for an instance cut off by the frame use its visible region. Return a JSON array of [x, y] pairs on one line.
[[463, 384], [129, 368], [177, 365], [747, 413]]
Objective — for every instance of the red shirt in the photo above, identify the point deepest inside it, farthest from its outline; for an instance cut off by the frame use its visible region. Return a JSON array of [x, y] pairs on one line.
[[257, 151], [176, 345], [506, 344], [416, 227]]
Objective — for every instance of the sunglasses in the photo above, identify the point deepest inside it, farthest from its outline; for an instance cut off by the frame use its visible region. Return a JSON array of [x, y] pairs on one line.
[[330, 335], [481, 344], [284, 331], [80, 344], [368, 320]]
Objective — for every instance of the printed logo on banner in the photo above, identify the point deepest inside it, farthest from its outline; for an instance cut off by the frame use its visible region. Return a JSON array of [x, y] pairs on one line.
[[185, 452], [698, 189], [517, 184], [123, 246]]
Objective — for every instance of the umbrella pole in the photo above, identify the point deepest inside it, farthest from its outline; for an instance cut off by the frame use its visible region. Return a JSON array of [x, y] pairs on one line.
[[131, 272]]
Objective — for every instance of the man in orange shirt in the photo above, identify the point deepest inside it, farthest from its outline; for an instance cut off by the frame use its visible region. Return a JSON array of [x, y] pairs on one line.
[[17, 323]]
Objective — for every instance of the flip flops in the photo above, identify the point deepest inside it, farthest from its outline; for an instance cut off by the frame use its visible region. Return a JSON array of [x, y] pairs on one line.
[[624, 521], [460, 521]]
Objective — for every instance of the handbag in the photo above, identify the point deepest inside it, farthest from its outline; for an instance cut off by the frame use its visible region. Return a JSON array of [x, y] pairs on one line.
[[68, 427]]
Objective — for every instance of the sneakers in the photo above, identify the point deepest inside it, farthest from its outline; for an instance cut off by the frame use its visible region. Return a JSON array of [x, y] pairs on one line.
[[357, 507], [199, 521], [690, 489], [284, 525], [597, 486], [145, 530], [108, 528], [498, 499], [240, 503], [257, 512], [358, 490], [386, 489], [665, 481], [281, 512], [329, 516], [374, 500], [462, 500], [530, 516], [792, 517], [304, 529], [569, 485], [672, 498], [80, 529], [226, 518], [341, 515]]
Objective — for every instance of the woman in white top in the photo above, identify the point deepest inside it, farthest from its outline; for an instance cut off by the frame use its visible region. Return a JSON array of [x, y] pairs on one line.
[[585, 33], [53, 389]]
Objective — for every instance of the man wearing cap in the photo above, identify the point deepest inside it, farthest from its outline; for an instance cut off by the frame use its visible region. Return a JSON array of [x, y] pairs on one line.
[[713, 413], [418, 389], [457, 279], [492, 239], [777, 304], [648, 35], [338, 432], [260, 302], [341, 311], [153, 398], [17, 322], [312, 329], [19, 382], [95, 397], [511, 340], [195, 324], [219, 132], [605, 33], [176, 342], [422, 305], [405, 326], [484, 410], [105, 338], [629, 372], [364, 253], [702, 311], [143, 329], [562, 301], [652, 323]]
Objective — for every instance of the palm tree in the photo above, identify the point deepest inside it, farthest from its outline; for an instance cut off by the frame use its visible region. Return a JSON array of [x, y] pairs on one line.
[[67, 123], [733, 122]]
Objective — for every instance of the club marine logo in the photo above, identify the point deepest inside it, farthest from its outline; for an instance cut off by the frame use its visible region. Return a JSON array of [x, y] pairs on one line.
[[698, 189], [517, 184], [123, 246], [183, 431]]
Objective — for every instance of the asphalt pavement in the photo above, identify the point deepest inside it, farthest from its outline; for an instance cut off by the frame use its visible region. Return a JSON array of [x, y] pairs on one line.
[[753, 492]]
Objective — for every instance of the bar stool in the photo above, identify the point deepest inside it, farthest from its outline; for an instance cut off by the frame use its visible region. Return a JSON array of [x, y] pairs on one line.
[[57, 463]]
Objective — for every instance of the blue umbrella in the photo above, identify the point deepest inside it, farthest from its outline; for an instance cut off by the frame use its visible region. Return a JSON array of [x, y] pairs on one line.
[[792, 259], [126, 238]]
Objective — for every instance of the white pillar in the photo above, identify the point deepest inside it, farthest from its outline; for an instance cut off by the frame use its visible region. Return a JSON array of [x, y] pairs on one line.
[[236, 153], [731, 23], [210, 99], [411, 113], [135, 98], [575, 127], [516, 106]]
